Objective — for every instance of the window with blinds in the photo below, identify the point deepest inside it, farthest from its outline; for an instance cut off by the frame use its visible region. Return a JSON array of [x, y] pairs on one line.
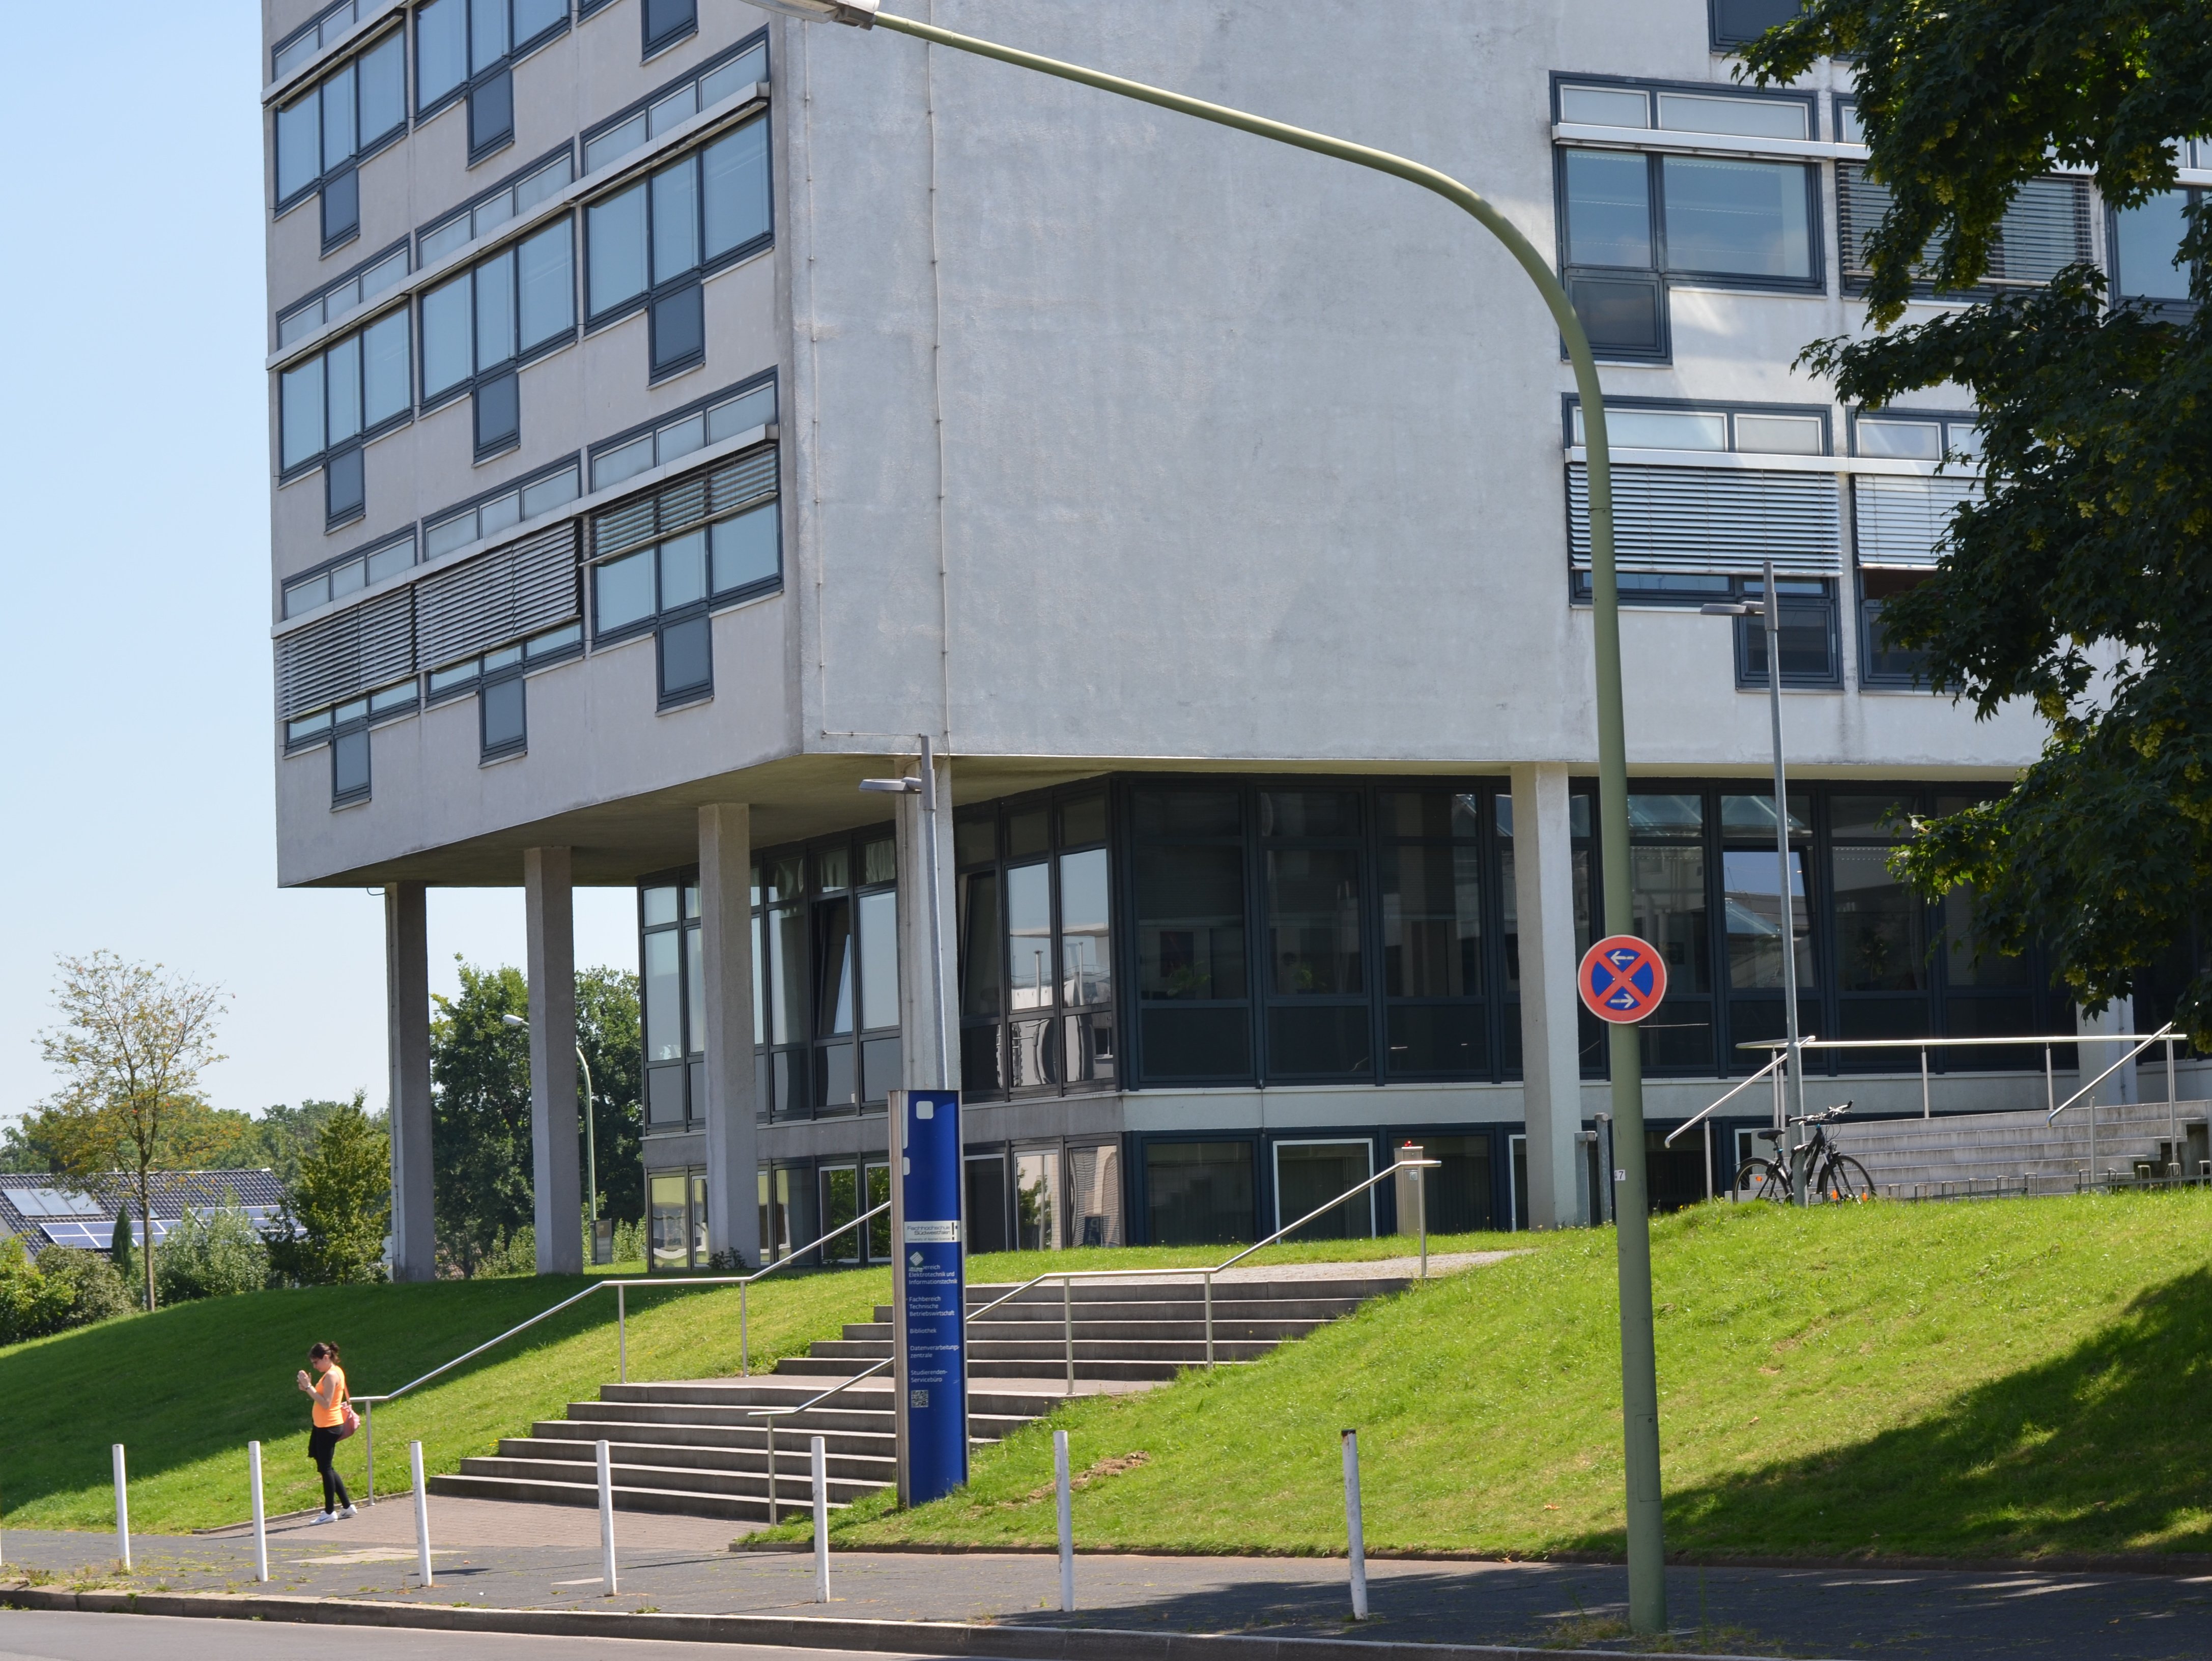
[[2045, 230], [1899, 523], [511, 591], [1712, 520]]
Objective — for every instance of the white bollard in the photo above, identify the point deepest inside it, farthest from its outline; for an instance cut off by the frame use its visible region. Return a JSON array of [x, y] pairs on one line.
[[1067, 1522], [1351, 1527], [122, 1509], [821, 1451], [260, 1516], [607, 1517], [421, 1514]]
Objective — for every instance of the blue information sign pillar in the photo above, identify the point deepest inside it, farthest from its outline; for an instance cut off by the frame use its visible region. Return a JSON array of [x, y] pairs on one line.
[[929, 1337]]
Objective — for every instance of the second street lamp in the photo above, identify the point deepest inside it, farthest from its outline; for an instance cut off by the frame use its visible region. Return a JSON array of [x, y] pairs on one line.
[[1647, 1585]]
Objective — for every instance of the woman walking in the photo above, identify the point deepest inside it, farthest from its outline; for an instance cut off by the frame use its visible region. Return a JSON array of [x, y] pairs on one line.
[[334, 1420]]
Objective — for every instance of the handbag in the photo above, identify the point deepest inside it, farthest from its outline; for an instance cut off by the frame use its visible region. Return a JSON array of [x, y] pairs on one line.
[[349, 1422]]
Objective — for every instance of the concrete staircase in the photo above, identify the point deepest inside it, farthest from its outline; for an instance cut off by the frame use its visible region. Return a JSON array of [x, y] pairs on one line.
[[690, 1447], [2019, 1152]]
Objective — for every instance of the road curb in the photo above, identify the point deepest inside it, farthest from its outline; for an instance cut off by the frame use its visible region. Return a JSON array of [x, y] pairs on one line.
[[2057, 1563], [791, 1632]]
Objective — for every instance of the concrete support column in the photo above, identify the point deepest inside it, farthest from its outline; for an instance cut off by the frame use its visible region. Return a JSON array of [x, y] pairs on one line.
[[1551, 1062], [407, 1028], [920, 1019], [554, 1130], [2121, 1088], [726, 952]]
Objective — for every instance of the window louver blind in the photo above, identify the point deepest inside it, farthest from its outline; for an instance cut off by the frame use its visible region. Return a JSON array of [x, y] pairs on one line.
[[507, 593], [2046, 227], [1899, 521], [687, 502], [1713, 521], [368, 646]]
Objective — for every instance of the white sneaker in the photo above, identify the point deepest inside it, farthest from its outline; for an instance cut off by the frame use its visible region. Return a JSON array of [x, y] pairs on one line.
[[347, 1513], [321, 1517]]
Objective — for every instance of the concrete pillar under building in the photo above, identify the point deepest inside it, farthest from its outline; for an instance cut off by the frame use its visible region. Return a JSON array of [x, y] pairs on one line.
[[2121, 1089], [727, 954], [558, 1193], [407, 1028], [1551, 1061], [920, 1021]]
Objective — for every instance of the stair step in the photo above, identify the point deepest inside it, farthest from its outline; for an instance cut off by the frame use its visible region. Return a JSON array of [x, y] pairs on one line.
[[736, 1508]]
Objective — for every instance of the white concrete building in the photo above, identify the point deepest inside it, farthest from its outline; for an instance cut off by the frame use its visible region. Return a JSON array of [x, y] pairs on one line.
[[677, 413]]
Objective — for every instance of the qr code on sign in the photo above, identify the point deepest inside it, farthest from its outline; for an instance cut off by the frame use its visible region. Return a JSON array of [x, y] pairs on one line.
[[917, 1398]]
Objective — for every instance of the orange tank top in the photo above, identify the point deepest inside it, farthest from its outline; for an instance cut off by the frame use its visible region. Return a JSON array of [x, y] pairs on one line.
[[329, 1393]]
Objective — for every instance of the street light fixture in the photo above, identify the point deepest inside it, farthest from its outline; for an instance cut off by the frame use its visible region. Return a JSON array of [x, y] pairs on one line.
[[1769, 606], [591, 1135], [1646, 1585]]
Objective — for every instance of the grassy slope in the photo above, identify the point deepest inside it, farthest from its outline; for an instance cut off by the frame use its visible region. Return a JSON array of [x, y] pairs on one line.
[[187, 1388], [1994, 1378]]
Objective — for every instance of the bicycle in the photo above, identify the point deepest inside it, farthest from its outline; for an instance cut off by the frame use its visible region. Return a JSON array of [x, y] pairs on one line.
[[1837, 1176]]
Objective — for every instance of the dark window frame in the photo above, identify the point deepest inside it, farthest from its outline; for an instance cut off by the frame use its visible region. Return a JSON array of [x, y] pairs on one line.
[[1723, 41], [348, 738], [572, 462], [652, 45], [689, 920], [2159, 306], [515, 53], [364, 148], [694, 276], [523, 357], [1060, 1018], [352, 274], [368, 433], [515, 674], [714, 601]]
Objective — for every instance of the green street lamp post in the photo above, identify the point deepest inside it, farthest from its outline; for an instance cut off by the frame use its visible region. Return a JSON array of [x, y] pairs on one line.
[[1647, 1595], [591, 1136]]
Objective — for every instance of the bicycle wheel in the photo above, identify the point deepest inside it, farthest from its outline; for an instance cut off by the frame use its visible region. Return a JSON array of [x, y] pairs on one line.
[[1765, 1179], [1845, 1180]]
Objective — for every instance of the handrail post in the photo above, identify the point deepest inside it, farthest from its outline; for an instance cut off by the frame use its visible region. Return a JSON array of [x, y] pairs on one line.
[[2050, 1086], [1924, 1082], [1209, 1320], [368, 1445], [622, 1333], [1709, 1159], [745, 1336], [2172, 1109], [1421, 1211], [771, 1471], [1067, 1326]]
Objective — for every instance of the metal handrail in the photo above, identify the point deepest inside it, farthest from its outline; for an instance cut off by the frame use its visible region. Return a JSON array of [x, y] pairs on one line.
[[772, 1414], [2164, 1032], [1690, 1122], [743, 1282]]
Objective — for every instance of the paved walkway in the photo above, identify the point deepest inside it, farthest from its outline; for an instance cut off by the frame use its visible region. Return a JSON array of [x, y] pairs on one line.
[[494, 1554]]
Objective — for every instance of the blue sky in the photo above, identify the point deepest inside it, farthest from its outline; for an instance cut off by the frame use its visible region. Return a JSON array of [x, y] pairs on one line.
[[134, 456]]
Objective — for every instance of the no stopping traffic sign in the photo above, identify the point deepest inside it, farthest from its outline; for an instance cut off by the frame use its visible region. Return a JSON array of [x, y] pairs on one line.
[[1621, 978]]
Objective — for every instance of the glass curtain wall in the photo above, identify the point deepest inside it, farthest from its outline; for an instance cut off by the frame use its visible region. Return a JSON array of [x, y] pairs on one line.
[[672, 988], [1036, 993], [825, 976], [1590, 1030]]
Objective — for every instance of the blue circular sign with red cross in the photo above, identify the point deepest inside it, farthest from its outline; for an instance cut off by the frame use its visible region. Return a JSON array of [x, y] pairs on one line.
[[1622, 979]]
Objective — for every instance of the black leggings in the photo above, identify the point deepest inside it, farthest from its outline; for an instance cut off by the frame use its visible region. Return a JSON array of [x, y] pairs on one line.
[[322, 1446]]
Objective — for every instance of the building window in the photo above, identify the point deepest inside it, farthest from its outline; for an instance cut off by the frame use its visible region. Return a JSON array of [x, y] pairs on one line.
[[1882, 956], [1314, 900], [342, 298], [740, 72], [325, 133], [305, 731], [677, 1221], [349, 575], [1433, 970], [1631, 221], [473, 45], [1580, 813], [667, 22], [1037, 1009], [1812, 657], [346, 489], [826, 977], [2044, 230], [1199, 1193], [706, 543], [344, 395], [650, 244], [1882, 664], [479, 326], [487, 515], [1737, 22], [496, 207], [500, 705], [673, 986], [1667, 886], [1900, 522], [842, 1188], [328, 28], [474, 674], [713, 420], [2146, 243], [349, 754], [1194, 1017], [1751, 907]]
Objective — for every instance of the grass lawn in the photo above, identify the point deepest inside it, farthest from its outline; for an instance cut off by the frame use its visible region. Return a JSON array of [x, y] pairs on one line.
[[186, 1390], [1997, 1379]]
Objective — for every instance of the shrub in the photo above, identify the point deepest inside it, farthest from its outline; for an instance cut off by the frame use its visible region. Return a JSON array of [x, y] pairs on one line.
[[101, 1291], [510, 1255], [332, 1228], [211, 1254], [64, 1288]]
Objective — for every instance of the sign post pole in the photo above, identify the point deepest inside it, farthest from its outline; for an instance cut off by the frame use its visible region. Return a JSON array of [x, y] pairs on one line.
[[929, 1348]]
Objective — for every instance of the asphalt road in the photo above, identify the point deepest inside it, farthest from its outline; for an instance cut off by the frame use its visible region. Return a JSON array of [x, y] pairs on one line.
[[33, 1635]]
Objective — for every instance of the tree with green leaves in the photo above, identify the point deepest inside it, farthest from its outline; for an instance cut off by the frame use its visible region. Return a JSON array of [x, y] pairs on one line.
[[2077, 580], [130, 1048], [480, 1145], [338, 1208]]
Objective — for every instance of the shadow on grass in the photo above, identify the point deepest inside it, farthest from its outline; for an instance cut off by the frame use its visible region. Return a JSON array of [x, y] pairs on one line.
[[2100, 1450]]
